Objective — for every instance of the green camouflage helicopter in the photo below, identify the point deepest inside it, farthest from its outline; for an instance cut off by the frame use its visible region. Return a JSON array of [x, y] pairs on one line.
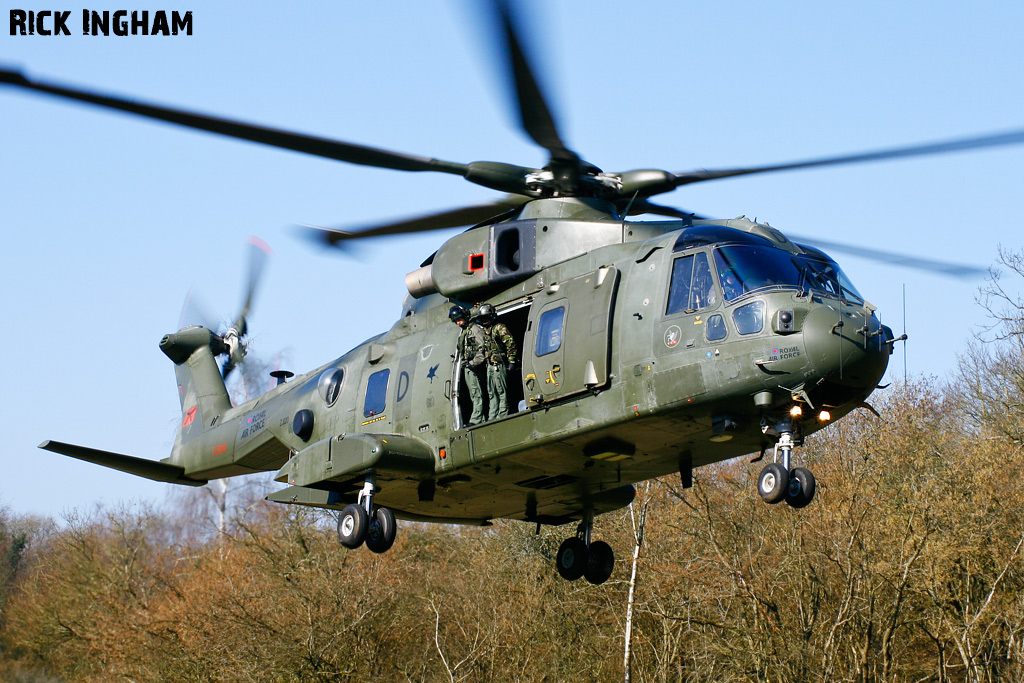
[[648, 348]]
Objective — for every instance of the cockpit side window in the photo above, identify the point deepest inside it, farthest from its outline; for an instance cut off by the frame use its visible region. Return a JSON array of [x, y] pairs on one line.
[[692, 287], [749, 319], [715, 328], [828, 277]]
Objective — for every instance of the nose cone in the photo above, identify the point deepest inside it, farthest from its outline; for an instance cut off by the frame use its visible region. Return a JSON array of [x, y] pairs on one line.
[[848, 346]]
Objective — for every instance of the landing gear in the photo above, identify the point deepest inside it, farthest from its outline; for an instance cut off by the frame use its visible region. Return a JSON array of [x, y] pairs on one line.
[[571, 559], [773, 484], [600, 562], [577, 556], [777, 481], [801, 488], [380, 533], [352, 526], [360, 523]]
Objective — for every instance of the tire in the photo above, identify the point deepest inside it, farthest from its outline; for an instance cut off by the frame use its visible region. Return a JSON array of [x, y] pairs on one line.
[[352, 526], [600, 562], [380, 532], [773, 483], [801, 488], [571, 560]]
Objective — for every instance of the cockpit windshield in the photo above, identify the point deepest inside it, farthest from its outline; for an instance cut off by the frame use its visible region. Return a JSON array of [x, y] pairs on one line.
[[830, 277], [746, 268]]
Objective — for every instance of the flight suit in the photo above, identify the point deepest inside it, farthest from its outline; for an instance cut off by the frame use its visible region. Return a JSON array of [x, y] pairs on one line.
[[501, 353], [473, 352]]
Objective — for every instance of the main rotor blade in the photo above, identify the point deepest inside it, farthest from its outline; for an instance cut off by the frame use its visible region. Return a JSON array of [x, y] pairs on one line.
[[453, 218], [1014, 137], [299, 142], [957, 270], [535, 115]]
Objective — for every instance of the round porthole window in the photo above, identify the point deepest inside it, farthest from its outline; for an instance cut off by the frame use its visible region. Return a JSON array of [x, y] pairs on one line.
[[329, 385]]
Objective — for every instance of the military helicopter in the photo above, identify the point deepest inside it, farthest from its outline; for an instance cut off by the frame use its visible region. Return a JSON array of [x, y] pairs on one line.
[[647, 347]]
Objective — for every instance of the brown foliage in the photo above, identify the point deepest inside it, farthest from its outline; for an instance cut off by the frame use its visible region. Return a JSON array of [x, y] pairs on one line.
[[907, 567]]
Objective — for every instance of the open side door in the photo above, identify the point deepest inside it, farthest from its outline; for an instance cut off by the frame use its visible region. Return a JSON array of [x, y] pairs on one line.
[[568, 337]]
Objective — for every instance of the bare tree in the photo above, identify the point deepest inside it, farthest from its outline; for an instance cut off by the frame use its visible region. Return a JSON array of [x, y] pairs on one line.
[[639, 521], [991, 370]]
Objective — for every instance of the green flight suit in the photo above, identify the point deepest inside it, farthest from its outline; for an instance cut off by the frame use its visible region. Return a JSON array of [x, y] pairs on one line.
[[473, 352], [501, 353]]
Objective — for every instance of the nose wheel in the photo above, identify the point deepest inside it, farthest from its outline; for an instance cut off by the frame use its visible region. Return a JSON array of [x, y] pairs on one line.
[[800, 492], [579, 557], [773, 484], [778, 481]]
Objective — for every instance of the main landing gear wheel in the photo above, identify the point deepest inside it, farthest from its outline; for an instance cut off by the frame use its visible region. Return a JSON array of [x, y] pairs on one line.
[[360, 523], [801, 488], [577, 556], [600, 562], [352, 526], [571, 559], [380, 532], [773, 484]]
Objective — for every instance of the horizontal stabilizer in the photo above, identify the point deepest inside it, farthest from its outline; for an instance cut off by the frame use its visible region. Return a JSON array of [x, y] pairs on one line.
[[150, 469]]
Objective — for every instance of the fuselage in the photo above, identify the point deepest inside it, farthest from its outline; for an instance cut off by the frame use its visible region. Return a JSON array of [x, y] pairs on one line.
[[649, 349]]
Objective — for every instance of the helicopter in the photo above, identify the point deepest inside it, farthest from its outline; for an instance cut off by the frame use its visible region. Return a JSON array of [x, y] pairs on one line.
[[639, 386]]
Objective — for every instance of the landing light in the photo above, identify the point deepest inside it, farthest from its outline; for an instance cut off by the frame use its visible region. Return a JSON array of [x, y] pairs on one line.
[[824, 416], [796, 411]]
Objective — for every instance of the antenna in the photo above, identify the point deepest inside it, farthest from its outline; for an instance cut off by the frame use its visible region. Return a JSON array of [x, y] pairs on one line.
[[625, 214], [904, 334]]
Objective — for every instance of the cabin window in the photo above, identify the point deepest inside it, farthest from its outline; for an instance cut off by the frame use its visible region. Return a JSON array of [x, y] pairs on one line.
[[692, 287], [549, 331], [715, 328], [749, 319], [376, 393], [329, 385]]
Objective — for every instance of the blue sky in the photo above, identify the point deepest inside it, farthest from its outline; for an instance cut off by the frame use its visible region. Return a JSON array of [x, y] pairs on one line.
[[108, 221]]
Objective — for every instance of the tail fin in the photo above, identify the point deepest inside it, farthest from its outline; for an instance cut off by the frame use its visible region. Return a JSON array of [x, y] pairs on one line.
[[201, 388]]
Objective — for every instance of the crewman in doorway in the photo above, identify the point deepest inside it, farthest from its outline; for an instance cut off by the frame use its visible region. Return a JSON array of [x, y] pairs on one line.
[[501, 356], [472, 348]]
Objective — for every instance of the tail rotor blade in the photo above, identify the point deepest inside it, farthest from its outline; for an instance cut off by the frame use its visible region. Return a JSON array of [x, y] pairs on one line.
[[258, 253], [194, 312]]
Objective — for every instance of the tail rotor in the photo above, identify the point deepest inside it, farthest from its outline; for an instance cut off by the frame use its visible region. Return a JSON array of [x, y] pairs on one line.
[[231, 340], [235, 337]]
